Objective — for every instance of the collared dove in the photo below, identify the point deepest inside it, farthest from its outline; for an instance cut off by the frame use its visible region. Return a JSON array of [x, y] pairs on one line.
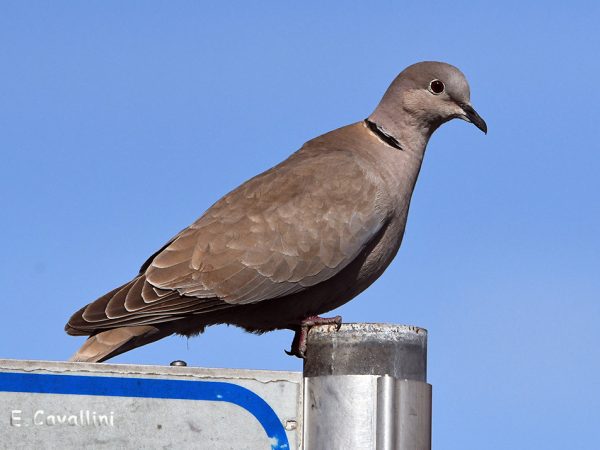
[[294, 242]]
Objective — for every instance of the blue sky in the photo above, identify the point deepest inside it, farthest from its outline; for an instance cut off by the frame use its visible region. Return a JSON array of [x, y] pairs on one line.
[[121, 122]]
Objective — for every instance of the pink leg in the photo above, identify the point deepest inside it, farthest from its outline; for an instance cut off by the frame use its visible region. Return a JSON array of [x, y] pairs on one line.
[[299, 343]]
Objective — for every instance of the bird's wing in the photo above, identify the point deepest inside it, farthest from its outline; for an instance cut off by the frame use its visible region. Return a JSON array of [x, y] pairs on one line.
[[293, 226], [285, 230]]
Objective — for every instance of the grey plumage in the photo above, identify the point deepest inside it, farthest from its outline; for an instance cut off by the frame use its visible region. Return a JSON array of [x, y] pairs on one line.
[[296, 241]]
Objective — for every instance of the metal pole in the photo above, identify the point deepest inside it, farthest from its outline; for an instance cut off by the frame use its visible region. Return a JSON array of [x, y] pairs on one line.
[[365, 387]]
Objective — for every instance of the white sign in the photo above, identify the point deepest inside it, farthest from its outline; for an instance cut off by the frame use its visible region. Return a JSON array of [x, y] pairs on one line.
[[76, 405]]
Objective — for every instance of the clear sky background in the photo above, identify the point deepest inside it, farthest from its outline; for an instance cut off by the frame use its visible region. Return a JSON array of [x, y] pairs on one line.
[[122, 121]]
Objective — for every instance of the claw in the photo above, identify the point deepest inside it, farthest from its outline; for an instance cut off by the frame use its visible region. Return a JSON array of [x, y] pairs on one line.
[[299, 343]]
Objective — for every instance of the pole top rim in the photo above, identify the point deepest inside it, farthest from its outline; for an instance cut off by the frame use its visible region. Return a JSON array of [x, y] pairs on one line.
[[367, 349], [373, 330]]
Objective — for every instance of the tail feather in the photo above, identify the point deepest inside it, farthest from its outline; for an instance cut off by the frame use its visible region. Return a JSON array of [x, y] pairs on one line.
[[109, 343]]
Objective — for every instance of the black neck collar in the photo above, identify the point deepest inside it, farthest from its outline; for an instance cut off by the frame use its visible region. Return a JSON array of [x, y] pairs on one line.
[[381, 134]]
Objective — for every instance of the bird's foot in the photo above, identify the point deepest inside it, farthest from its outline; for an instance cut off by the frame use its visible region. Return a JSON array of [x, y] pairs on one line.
[[299, 343]]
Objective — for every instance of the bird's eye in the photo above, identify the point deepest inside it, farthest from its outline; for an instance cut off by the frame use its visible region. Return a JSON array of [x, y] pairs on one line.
[[436, 87]]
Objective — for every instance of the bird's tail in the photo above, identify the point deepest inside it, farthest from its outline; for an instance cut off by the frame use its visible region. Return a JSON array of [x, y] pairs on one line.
[[109, 343]]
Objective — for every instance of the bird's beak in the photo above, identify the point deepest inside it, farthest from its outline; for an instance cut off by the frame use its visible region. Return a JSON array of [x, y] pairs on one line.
[[472, 116]]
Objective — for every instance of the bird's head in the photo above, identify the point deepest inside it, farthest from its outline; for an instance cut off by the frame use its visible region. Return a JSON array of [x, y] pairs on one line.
[[425, 95]]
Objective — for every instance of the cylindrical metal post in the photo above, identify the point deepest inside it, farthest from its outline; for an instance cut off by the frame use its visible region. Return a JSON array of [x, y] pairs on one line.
[[366, 387]]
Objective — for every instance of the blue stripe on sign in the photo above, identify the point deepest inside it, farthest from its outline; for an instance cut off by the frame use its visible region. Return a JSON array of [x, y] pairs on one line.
[[213, 391]]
